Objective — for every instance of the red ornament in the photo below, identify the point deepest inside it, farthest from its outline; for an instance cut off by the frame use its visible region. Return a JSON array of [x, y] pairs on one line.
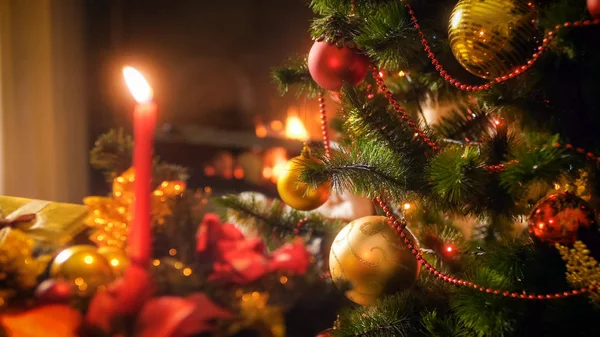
[[53, 291], [562, 218], [594, 8], [331, 66]]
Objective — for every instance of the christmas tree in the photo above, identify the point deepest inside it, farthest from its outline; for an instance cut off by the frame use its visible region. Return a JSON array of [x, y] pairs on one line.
[[454, 194]]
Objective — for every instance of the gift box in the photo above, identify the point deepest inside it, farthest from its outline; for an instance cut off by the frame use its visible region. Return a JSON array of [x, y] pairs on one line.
[[48, 222]]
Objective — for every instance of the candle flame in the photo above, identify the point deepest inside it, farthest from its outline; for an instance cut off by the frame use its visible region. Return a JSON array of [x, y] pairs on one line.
[[140, 89]]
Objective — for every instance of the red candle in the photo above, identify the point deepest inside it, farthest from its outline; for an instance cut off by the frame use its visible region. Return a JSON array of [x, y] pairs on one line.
[[144, 120]]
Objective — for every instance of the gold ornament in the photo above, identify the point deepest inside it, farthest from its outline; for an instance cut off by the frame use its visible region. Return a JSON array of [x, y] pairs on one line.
[[370, 259], [117, 258], [84, 266], [18, 268], [110, 217], [582, 269], [492, 37], [296, 193], [257, 315]]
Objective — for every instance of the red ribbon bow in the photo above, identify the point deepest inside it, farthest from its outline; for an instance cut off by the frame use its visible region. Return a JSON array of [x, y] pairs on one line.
[[243, 260]]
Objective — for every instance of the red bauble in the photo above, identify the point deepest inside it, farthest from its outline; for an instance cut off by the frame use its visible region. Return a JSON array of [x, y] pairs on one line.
[[53, 291], [562, 218], [594, 8], [331, 66]]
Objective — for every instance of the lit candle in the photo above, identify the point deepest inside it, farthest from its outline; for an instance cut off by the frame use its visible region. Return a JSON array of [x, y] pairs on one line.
[[144, 120]]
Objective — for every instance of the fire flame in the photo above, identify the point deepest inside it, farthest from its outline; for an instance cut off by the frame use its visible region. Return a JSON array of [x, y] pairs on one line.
[[274, 164], [294, 129], [140, 89]]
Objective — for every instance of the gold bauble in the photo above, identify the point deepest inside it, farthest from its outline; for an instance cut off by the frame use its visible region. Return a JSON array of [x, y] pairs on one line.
[[84, 266], [368, 259], [492, 37], [296, 193], [117, 258]]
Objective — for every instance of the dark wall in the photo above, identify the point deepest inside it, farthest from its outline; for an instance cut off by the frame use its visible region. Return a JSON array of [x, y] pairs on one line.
[[208, 61]]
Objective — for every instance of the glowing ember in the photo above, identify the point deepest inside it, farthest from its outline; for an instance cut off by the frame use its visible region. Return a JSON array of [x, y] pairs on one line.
[[261, 131]]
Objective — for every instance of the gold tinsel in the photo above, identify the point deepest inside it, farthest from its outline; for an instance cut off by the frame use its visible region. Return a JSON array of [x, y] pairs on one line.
[[110, 217], [256, 314], [582, 269], [18, 268]]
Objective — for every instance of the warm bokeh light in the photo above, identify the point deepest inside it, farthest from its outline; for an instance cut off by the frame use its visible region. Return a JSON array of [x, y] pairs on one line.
[[140, 89], [294, 129], [274, 163], [407, 206], [261, 131]]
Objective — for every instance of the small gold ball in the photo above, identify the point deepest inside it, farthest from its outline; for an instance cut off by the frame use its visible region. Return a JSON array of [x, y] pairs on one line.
[[296, 193], [117, 259], [83, 266]]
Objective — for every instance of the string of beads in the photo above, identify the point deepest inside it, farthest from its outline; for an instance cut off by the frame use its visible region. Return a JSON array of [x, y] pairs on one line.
[[324, 125], [516, 71], [400, 110], [299, 225], [399, 228]]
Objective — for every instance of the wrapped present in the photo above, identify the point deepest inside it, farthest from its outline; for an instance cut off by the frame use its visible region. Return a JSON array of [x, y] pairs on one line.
[[49, 222]]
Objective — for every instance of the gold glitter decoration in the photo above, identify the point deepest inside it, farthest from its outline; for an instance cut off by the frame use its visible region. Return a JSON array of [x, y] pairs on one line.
[[492, 37], [258, 315], [368, 259], [18, 268], [110, 217], [582, 269]]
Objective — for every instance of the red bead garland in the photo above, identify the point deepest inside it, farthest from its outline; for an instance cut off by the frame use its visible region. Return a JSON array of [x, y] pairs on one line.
[[324, 125], [399, 227], [517, 71], [403, 115]]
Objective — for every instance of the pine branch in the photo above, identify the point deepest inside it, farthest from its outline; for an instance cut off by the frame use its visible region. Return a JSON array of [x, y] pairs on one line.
[[389, 38], [468, 123], [539, 162], [273, 218], [335, 28], [112, 153], [484, 314], [295, 73], [371, 119], [367, 169], [457, 178]]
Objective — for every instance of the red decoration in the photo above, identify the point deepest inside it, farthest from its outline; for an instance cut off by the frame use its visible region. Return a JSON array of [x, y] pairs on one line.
[[178, 316], [594, 8], [562, 218], [331, 66], [58, 320], [125, 296], [242, 260], [53, 291]]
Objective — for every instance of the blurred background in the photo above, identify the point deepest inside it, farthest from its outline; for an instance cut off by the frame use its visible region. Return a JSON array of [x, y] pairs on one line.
[[209, 64]]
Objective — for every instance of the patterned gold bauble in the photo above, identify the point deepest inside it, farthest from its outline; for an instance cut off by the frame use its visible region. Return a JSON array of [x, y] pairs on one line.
[[296, 193], [370, 260], [492, 37], [84, 266], [117, 258]]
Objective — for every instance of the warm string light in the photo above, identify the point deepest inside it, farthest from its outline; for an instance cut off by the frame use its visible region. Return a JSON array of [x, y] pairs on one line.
[[517, 70], [588, 155], [324, 125], [403, 115], [399, 227], [299, 225]]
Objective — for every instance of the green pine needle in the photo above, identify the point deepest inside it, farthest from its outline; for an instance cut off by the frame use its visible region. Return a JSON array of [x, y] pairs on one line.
[[295, 73]]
